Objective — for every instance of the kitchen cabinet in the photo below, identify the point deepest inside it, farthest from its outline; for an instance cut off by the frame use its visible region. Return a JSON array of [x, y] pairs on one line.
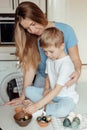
[[40, 3], [9, 6], [7, 53]]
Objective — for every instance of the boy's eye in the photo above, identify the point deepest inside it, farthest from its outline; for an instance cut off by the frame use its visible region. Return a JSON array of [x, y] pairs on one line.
[[48, 52], [51, 51]]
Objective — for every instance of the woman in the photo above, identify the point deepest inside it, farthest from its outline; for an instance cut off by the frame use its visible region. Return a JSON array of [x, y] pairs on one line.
[[30, 22]]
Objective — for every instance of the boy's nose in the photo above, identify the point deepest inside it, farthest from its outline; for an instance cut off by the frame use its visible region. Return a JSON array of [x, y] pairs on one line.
[[48, 54]]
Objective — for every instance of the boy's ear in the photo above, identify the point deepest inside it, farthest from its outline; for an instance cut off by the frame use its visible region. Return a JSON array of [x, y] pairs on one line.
[[62, 46]]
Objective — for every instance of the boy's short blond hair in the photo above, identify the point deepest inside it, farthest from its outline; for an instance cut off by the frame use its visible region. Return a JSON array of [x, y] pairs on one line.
[[51, 37]]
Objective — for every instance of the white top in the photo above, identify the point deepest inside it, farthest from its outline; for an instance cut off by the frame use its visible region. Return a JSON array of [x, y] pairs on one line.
[[59, 71]]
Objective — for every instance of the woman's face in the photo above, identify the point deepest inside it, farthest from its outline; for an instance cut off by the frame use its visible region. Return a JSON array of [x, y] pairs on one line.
[[32, 27]]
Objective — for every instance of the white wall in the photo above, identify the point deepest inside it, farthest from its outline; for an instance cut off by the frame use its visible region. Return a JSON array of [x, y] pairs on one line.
[[73, 12]]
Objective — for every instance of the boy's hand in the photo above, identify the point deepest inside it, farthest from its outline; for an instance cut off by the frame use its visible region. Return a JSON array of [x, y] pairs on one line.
[[31, 108]]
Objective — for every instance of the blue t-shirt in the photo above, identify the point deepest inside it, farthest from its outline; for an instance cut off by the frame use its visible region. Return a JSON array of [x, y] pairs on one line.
[[70, 40]]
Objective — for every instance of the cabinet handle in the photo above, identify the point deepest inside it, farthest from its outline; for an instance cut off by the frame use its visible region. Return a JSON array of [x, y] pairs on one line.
[[13, 4], [18, 2], [12, 53]]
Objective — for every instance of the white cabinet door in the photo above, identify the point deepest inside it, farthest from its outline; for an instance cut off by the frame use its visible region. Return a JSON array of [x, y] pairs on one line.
[[40, 3], [8, 6], [7, 53]]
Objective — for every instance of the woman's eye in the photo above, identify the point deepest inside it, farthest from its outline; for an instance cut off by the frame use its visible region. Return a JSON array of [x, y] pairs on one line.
[[33, 24]]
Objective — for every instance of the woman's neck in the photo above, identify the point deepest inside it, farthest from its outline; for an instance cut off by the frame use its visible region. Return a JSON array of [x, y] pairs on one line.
[[50, 24]]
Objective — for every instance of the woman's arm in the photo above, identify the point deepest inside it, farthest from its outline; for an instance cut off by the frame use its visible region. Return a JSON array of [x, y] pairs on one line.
[[74, 54], [28, 79]]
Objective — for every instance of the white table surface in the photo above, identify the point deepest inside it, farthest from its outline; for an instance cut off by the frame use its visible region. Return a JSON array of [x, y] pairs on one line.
[[7, 121]]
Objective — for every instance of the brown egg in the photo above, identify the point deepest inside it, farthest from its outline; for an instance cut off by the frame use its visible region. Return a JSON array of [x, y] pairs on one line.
[[18, 109]]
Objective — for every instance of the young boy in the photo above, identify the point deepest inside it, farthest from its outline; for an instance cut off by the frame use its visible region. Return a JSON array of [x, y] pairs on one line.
[[58, 69]]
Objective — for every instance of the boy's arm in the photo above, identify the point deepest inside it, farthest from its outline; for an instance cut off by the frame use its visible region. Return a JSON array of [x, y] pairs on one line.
[[46, 99], [47, 83], [47, 86]]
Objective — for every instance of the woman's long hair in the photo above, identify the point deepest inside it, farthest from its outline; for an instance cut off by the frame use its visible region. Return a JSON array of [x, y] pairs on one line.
[[26, 43]]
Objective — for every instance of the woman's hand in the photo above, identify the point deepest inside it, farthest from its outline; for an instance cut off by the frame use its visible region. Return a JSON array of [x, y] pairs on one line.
[[15, 101], [73, 78]]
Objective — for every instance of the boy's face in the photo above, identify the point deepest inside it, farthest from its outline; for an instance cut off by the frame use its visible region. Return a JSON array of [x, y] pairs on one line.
[[53, 52]]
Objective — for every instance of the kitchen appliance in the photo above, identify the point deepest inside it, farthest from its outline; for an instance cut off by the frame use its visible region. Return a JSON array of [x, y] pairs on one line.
[[11, 77], [11, 81], [7, 30]]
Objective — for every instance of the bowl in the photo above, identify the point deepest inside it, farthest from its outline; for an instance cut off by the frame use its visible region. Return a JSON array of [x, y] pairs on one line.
[[43, 121], [22, 119]]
